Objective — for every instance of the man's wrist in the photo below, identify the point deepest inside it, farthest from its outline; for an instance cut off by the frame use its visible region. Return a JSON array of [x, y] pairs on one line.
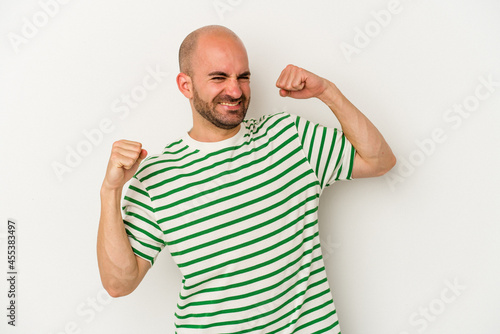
[[110, 192], [331, 96]]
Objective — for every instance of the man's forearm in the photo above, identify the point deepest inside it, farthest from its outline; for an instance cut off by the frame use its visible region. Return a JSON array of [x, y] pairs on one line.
[[369, 143], [117, 263]]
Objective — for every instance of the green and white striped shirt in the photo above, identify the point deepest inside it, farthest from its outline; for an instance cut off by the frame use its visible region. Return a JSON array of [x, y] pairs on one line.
[[240, 219]]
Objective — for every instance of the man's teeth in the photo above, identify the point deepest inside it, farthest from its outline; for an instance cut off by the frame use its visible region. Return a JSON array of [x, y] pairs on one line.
[[229, 104]]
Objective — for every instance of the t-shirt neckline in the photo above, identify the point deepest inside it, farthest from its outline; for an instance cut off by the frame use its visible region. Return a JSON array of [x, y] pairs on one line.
[[214, 146]]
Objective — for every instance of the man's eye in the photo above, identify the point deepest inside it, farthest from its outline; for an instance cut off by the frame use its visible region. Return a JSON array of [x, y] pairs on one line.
[[245, 78], [218, 78]]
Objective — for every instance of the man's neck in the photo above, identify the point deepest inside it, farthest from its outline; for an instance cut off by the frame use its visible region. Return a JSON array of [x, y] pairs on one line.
[[207, 132]]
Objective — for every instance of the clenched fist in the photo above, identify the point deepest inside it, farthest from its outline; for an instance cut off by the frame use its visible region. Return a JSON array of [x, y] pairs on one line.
[[298, 83], [125, 159]]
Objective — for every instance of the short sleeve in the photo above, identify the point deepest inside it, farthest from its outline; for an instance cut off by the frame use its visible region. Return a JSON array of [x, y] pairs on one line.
[[144, 233], [328, 151]]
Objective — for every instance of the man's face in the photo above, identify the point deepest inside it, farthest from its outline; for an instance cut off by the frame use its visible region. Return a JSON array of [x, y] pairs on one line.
[[221, 81]]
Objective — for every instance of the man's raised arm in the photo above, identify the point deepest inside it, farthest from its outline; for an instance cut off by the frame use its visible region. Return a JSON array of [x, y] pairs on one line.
[[373, 157], [120, 269]]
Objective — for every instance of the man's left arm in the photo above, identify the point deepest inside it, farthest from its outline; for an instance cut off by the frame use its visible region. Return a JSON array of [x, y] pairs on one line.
[[373, 156]]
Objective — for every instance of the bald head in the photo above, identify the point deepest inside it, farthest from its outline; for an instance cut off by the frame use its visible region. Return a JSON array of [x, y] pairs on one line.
[[190, 43]]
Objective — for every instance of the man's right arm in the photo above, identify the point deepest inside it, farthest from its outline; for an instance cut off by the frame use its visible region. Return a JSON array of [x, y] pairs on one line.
[[120, 269]]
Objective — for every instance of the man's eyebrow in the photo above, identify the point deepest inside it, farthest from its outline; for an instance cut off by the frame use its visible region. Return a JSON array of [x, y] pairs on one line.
[[223, 74], [218, 74], [244, 74]]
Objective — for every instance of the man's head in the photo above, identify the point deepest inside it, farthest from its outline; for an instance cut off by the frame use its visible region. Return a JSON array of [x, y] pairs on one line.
[[215, 76]]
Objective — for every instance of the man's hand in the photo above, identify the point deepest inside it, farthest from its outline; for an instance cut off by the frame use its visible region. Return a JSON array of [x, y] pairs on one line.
[[373, 155], [125, 159], [120, 269], [300, 84]]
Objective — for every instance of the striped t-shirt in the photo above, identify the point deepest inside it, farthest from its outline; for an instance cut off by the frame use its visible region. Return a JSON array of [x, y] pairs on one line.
[[240, 219]]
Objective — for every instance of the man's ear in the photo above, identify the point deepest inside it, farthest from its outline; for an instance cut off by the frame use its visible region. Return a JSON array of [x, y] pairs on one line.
[[185, 85]]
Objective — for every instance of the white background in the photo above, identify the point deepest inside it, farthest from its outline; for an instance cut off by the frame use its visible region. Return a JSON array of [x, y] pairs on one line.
[[393, 245]]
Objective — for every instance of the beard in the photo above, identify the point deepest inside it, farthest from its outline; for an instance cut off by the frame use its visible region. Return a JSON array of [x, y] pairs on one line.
[[221, 120]]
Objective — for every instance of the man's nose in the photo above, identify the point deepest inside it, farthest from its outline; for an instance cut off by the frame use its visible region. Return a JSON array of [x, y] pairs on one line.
[[233, 88]]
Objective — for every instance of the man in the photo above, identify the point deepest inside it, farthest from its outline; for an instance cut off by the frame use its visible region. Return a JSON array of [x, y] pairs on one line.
[[235, 200]]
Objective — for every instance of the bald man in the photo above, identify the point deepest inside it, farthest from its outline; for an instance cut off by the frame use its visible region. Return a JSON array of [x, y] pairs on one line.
[[235, 200]]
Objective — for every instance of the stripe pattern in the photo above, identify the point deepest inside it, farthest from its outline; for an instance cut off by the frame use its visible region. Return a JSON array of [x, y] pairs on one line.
[[241, 223]]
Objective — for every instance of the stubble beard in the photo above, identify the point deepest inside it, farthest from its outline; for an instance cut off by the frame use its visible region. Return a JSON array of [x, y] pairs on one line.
[[209, 112]]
